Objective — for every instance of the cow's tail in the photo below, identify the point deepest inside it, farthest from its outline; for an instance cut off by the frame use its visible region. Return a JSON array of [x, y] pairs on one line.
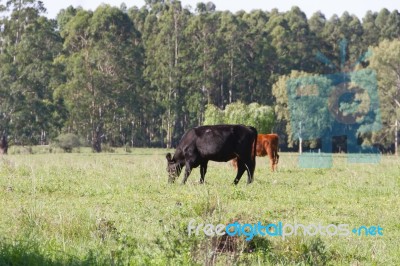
[[276, 150], [254, 145]]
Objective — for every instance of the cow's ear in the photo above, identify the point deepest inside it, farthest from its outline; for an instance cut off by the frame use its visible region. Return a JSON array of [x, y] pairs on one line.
[[169, 157]]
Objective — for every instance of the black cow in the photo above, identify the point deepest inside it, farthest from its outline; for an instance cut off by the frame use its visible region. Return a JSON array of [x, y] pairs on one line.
[[219, 143]]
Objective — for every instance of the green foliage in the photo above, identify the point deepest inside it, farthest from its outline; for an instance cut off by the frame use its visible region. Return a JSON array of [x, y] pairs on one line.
[[261, 117], [299, 96], [28, 47], [142, 76], [213, 115], [254, 114], [236, 113], [385, 61], [307, 96], [68, 141], [108, 148], [102, 79]]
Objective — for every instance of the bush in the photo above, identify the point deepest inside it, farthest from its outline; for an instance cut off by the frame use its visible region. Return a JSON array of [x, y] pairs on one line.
[[213, 115], [107, 148], [68, 141], [128, 149], [261, 117]]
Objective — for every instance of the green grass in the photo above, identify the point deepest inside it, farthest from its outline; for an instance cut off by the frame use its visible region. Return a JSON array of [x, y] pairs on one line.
[[117, 209]]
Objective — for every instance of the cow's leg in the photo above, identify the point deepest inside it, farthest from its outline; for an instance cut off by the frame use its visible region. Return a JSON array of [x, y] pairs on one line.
[[188, 170], [271, 156], [191, 161], [276, 161], [272, 161], [250, 166], [203, 171], [241, 168]]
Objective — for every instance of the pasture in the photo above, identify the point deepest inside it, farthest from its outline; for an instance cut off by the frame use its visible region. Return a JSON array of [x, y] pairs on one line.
[[117, 209]]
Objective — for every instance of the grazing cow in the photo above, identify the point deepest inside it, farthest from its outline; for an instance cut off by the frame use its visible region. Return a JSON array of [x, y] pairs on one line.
[[219, 143], [267, 144]]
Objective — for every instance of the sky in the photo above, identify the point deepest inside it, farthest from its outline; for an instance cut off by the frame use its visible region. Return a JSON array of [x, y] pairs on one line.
[[327, 7]]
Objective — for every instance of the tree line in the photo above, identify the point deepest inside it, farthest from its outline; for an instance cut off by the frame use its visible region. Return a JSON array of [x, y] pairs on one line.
[[143, 76]]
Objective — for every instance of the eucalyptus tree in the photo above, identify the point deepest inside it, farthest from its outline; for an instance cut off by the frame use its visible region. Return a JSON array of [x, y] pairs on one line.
[[352, 31], [29, 43], [382, 23], [301, 106], [103, 65], [343, 39], [232, 33], [278, 28], [392, 29], [371, 31], [385, 61], [301, 46], [203, 76], [322, 55], [164, 43], [259, 58]]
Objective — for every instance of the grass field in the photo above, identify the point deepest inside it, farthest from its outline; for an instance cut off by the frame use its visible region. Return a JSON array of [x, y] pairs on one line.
[[117, 209]]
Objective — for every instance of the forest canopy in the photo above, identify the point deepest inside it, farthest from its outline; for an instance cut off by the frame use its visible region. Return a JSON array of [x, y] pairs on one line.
[[142, 76]]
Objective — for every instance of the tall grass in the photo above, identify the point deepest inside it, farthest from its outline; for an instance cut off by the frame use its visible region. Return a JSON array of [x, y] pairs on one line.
[[117, 209]]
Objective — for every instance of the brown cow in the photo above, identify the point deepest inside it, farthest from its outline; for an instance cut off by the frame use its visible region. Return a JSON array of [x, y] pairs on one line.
[[267, 144]]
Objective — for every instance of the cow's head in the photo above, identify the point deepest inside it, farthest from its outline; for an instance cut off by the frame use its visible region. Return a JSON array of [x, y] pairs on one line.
[[174, 169]]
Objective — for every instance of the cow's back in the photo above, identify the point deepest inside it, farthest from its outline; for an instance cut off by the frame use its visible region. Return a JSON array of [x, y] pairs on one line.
[[266, 142], [223, 142]]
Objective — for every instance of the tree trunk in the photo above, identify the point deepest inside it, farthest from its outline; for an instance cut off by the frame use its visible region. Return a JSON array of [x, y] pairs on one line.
[[396, 133], [3, 145], [43, 137], [231, 82], [300, 142], [396, 125], [96, 139], [169, 129], [222, 93], [300, 145]]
